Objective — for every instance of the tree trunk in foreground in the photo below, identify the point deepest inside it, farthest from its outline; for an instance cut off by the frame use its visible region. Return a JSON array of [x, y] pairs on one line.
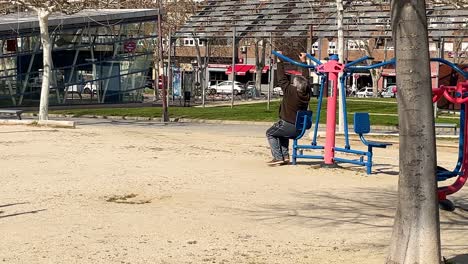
[[43, 16], [416, 233]]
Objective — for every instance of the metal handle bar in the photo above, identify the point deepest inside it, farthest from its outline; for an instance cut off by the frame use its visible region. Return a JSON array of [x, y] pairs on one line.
[[453, 66], [373, 66], [358, 61], [317, 61], [281, 56]]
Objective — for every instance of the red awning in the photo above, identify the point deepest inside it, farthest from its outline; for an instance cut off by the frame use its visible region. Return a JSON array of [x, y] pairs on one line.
[[293, 72], [264, 70], [240, 69]]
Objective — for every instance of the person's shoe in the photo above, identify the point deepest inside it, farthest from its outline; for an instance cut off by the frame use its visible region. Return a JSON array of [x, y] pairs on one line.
[[275, 162], [286, 161]]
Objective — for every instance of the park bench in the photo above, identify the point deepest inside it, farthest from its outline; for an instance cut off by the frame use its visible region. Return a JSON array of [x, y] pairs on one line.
[[12, 112], [447, 125]]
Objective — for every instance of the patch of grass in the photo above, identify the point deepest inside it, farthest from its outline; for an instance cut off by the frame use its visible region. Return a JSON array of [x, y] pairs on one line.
[[383, 111], [34, 123], [448, 261], [126, 199]]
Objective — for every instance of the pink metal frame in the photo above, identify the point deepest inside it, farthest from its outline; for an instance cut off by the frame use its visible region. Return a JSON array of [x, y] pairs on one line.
[[333, 68]]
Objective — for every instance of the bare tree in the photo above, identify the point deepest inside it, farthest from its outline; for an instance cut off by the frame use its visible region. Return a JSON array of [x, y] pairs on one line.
[[367, 47], [260, 50], [202, 63], [460, 52], [43, 9], [416, 234]]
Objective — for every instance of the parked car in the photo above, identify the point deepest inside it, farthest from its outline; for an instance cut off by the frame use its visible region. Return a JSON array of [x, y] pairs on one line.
[[365, 92], [150, 83], [250, 85], [90, 88], [251, 91], [76, 88], [226, 88], [389, 92], [87, 88], [278, 91]]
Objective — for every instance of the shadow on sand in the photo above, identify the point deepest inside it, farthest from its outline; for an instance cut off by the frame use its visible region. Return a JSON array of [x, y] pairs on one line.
[[3, 215]]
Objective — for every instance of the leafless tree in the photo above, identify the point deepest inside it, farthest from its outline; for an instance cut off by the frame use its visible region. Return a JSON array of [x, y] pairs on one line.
[[260, 51], [43, 9], [368, 47]]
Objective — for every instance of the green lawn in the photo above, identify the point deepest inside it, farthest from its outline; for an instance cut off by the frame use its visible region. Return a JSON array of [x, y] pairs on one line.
[[383, 111]]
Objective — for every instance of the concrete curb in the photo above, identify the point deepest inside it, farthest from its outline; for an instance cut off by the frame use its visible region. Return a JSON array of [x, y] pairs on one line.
[[223, 104], [47, 123], [376, 129], [224, 122], [158, 119]]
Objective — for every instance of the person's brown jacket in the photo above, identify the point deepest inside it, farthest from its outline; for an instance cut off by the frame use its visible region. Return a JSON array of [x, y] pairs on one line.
[[293, 100]]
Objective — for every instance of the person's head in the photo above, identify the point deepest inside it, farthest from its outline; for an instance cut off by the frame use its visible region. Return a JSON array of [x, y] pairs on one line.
[[301, 84]]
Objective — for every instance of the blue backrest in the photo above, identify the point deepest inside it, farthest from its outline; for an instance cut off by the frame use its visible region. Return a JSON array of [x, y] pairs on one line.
[[361, 123], [300, 119]]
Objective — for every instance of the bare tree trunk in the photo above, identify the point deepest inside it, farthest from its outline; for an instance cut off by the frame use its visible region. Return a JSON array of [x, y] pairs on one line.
[[201, 69], [156, 81], [43, 16], [375, 75], [416, 233], [259, 63]]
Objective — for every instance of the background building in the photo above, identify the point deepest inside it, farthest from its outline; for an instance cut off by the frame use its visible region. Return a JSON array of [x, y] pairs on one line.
[[99, 56]]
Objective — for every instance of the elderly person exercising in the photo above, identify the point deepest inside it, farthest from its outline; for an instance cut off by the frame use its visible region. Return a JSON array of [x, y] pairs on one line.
[[296, 97]]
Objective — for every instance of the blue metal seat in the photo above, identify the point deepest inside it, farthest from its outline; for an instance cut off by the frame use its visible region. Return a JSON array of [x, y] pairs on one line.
[[303, 123], [361, 127]]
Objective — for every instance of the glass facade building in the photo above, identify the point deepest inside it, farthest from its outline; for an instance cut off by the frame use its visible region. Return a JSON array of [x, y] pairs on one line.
[[99, 56]]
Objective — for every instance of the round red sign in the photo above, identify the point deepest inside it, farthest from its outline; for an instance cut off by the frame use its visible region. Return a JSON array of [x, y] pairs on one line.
[[130, 46]]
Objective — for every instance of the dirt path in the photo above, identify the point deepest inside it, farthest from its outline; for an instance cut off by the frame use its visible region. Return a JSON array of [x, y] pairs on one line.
[[192, 194]]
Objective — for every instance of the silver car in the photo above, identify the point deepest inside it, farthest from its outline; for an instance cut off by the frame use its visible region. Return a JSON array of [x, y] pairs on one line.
[[389, 92], [226, 88], [365, 92]]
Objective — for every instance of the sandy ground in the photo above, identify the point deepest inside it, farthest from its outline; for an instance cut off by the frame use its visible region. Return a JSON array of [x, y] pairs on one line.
[[193, 194]]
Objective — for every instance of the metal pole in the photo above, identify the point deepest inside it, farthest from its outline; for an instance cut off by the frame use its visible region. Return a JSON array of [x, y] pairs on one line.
[[233, 72], [319, 51], [341, 49], [208, 57], [206, 72], [440, 53], [201, 85], [169, 70], [165, 116], [270, 84]]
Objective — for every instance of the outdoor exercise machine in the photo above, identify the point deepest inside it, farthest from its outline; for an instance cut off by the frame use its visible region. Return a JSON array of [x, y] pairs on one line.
[[329, 73], [304, 118], [457, 95]]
